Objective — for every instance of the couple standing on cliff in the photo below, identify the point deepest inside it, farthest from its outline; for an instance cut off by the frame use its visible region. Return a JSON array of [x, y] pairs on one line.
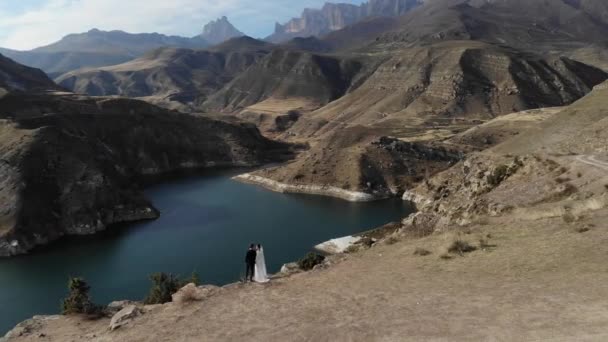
[[256, 264]]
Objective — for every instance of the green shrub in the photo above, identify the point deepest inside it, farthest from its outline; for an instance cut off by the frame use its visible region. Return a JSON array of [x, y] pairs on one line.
[[194, 279], [310, 261], [78, 300], [163, 287]]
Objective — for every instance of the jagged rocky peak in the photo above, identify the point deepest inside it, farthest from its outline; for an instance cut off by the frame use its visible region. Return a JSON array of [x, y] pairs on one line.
[[220, 30], [336, 16]]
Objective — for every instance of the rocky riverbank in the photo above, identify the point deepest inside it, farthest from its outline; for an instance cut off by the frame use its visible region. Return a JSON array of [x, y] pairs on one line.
[[322, 190]]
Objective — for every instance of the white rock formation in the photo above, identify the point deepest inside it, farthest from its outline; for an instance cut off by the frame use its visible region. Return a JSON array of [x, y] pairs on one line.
[[124, 316], [339, 245]]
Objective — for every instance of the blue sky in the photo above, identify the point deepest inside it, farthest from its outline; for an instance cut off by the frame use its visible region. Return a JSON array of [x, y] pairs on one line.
[[26, 24]]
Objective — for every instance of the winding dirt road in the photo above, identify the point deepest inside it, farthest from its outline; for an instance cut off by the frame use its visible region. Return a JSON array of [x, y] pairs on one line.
[[593, 161]]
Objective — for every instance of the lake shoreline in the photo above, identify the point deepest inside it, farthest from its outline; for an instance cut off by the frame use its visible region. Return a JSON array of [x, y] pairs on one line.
[[317, 190], [208, 216]]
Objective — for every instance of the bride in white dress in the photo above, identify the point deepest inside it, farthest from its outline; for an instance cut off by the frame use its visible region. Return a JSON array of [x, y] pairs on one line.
[[260, 275]]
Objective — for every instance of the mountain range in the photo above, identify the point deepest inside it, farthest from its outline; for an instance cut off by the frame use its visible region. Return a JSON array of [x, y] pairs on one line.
[[373, 104], [332, 17], [97, 48]]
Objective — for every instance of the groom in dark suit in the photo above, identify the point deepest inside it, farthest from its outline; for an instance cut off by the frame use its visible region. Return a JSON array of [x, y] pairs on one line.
[[250, 261]]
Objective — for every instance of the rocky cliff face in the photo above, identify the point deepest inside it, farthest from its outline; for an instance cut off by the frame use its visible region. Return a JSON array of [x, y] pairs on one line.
[[70, 173], [219, 31], [332, 17]]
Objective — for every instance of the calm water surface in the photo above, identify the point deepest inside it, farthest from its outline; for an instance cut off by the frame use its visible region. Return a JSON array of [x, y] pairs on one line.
[[206, 225]]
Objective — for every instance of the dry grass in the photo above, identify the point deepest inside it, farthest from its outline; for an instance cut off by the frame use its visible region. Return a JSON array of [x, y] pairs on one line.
[[352, 249], [422, 252], [391, 240]]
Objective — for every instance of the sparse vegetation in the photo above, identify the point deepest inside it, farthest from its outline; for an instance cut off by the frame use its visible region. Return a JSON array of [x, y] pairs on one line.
[[422, 252], [366, 242], [78, 300], [498, 175], [484, 243], [194, 279], [310, 261], [568, 217], [163, 287], [352, 249], [560, 180], [391, 240], [461, 247], [551, 164]]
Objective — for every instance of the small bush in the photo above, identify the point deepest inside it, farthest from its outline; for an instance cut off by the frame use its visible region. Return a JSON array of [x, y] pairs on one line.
[[366, 242], [561, 180], [422, 252], [351, 249], [583, 229], [579, 175], [498, 175], [310, 261], [461, 247], [568, 217], [391, 240], [163, 287], [194, 279], [78, 300]]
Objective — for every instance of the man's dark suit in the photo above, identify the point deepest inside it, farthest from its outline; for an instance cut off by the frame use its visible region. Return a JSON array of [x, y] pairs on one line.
[[250, 261]]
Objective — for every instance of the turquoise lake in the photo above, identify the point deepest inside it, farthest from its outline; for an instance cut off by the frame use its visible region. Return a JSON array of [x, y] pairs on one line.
[[206, 225]]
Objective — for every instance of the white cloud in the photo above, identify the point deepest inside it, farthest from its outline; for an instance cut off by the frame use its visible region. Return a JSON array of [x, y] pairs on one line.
[[53, 19]]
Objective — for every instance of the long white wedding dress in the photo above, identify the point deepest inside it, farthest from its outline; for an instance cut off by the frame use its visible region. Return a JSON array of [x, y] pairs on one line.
[[260, 275]]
